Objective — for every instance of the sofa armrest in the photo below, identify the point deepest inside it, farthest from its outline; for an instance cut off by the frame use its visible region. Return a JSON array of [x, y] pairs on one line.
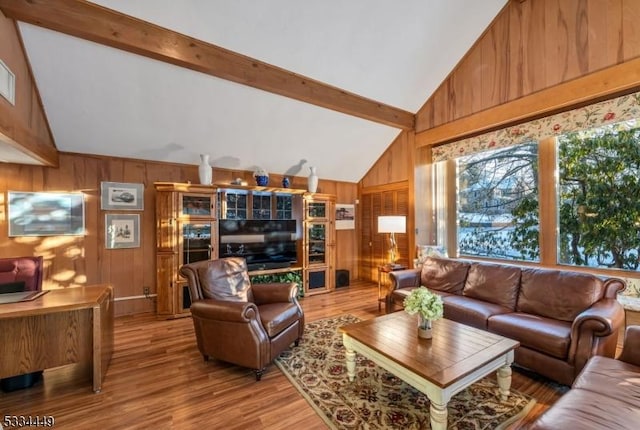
[[222, 310], [404, 278], [595, 331], [631, 349], [276, 292], [613, 286]]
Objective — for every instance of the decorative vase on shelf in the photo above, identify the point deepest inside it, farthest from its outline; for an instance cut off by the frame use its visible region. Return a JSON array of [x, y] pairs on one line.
[[313, 180], [424, 327], [285, 182], [205, 172], [261, 176]]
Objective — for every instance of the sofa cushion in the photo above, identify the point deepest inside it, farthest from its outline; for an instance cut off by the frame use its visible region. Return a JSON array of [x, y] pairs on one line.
[[444, 275], [493, 283], [542, 334], [225, 279], [612, 378], [467, 310], [588, 410], [557, 294]]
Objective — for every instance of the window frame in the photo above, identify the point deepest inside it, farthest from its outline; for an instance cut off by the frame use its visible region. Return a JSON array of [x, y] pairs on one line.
[[548, 213]]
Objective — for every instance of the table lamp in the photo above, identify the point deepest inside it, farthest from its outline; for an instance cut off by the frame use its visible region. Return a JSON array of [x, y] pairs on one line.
[[392, 224]]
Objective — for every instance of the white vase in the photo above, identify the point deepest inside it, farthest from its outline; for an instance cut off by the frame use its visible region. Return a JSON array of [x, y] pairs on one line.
[[205, 172], [424, 327], [313, 180]]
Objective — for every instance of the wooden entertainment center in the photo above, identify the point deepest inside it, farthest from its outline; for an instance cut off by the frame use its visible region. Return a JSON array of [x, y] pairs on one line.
[[187, 218]]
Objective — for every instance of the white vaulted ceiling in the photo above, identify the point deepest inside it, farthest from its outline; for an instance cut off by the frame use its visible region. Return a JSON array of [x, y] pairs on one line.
[[101, 100]]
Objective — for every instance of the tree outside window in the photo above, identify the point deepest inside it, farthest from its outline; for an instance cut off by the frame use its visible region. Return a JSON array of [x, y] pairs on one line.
[[599, 197], [497, 203]]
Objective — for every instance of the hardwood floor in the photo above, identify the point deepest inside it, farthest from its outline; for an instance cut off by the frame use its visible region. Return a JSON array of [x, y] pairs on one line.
[[157, 379]]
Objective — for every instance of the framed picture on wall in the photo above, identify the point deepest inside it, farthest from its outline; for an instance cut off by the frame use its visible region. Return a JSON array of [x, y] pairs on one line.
[[122, 231], [345, 216], [45, 214], [121, 195]]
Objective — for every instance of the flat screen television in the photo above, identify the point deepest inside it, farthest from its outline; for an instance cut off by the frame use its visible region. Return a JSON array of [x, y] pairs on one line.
[[265, 244]]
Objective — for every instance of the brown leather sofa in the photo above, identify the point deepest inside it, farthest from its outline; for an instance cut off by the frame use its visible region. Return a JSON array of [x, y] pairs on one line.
[[561, 318], [237, 322], [606, 394]]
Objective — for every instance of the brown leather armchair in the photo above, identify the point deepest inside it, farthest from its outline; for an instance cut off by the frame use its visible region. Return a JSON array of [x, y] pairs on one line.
[[237, 322]]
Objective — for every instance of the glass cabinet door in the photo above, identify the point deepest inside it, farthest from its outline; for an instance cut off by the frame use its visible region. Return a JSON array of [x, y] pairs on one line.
[[317, 210], [316, 246], [196, 205], [196, 241]]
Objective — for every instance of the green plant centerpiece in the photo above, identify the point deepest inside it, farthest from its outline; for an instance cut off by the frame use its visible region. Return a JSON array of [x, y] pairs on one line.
[[427, 305]]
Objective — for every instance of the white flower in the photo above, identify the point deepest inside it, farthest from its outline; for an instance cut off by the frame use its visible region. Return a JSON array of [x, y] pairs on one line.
[[424, 302], [260, 172]]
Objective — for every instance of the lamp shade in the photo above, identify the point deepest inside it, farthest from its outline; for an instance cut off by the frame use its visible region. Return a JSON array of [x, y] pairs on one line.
[[392, 224]]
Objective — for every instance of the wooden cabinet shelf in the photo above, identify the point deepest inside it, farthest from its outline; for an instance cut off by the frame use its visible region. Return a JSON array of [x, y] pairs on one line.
[[186, 229], [250, 188], [272, 271], [319, 243]]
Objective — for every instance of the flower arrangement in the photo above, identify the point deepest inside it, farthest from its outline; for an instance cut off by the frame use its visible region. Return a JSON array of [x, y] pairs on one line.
[[427, 304]]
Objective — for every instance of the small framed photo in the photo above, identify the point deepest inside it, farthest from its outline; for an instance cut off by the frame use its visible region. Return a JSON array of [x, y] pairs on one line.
[[345, 216], [121, 196], [122, 231]]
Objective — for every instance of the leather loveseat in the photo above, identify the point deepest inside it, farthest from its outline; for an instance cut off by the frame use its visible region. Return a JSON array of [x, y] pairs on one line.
[[561, 318], [606, 394]]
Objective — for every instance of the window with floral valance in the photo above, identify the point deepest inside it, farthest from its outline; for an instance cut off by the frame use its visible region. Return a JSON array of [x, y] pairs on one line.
[[606, 112], [572, 178]]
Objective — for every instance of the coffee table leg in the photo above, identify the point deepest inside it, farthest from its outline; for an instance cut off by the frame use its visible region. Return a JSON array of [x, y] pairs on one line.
[[438, 415], [504, 381], [351, 364]]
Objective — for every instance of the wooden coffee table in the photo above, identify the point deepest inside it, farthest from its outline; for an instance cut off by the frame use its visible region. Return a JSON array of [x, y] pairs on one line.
[[457, 356]]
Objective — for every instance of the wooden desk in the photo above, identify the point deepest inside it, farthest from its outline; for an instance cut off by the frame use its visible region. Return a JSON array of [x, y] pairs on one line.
[[456, 356], [71, 325]]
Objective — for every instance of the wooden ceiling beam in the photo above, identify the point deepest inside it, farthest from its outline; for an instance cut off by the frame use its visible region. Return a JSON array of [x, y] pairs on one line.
[[108, 27]]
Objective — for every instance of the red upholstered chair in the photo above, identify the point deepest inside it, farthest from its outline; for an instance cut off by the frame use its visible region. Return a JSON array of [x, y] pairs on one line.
[[21, 274], [237, 322]]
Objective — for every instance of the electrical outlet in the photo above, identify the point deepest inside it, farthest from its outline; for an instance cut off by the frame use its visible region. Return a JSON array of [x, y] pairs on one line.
[[146, 291]]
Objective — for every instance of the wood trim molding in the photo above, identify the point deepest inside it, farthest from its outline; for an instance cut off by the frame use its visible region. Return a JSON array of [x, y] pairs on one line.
[[24, 140], [108, 27], [610, 82], [386, 187]]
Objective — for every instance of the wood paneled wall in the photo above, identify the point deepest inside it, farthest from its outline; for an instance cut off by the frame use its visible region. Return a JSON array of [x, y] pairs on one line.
[[84, 260], [394, 165], [24, 125], [534, 45], [394, 171]]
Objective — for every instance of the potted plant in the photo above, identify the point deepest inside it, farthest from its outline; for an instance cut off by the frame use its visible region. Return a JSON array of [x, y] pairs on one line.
[[427, 305]]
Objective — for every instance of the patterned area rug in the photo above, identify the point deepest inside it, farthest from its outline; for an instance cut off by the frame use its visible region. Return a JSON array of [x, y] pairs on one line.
[[377, 399]]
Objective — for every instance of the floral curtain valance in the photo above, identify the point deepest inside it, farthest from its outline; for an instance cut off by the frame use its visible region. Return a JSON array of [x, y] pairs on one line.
[[609, 111]]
